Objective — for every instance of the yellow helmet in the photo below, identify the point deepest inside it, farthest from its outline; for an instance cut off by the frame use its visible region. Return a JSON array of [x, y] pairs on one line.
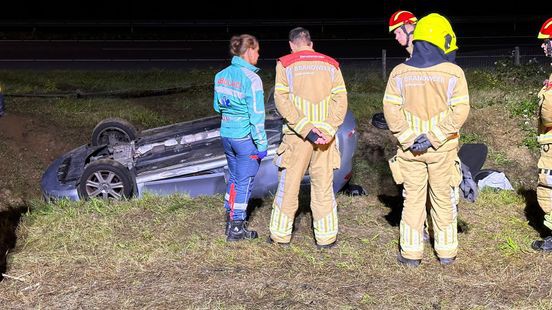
[[436, 29]]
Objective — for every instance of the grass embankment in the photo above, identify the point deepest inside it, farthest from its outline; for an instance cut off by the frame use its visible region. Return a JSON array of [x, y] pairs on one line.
[[170, 252]]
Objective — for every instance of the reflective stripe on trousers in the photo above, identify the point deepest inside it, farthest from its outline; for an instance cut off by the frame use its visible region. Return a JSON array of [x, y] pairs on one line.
[[294, 161], [429, 173], [242, 166], [544, 187]]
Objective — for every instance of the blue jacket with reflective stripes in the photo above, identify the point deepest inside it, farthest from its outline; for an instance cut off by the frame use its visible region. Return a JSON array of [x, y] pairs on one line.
[[239, 98]]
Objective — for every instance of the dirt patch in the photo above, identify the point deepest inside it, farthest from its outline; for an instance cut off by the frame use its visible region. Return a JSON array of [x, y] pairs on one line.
[[375, 148], [27, 147], [32, 136]]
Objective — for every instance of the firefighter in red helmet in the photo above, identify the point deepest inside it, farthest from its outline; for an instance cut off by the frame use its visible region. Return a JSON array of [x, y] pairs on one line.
[[544, 187], [402, 24]]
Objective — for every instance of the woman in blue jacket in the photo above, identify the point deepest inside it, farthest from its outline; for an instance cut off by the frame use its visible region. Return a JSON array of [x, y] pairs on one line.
[[239, 98]]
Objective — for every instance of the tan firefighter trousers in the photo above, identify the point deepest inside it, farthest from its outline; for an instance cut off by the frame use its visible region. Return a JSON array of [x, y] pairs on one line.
[[544, 188], [293, 158], [436, 175]]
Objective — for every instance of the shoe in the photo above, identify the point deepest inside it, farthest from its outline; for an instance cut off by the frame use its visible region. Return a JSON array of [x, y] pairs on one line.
[[326, 246], [282, 244], [543, 245], [238, 231], [447, 261], [407, 261]]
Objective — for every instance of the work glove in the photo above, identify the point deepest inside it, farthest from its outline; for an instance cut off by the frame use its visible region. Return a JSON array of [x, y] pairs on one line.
[[421, 144], [1, 104], [312, 136], [261, 155], [421, 138]]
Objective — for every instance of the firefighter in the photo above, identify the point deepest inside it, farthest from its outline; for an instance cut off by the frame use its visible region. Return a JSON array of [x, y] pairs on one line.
[[239, 98], [310, 95], [544, 188], [426, 102], [402, 24]]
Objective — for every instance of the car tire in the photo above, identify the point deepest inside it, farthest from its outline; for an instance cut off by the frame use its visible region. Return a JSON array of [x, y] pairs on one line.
[[106, 179], [378, 121], [353, 190], [113, 131]]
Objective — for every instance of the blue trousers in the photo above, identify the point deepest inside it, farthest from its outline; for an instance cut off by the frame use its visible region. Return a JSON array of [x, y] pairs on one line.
[[243, 164]]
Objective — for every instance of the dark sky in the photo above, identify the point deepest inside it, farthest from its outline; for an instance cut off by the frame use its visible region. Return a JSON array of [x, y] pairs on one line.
[[479, 24], [520, 18], [178, 9]]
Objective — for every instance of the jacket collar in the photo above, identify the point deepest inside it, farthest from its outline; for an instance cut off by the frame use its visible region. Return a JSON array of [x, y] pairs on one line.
[[426, 55], [238, 61]]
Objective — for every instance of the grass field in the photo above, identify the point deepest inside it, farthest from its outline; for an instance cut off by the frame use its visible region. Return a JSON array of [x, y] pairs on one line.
[[170, 252]]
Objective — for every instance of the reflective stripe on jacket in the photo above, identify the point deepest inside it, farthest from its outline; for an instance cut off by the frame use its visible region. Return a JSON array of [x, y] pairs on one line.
[[432, 100], [545, 112], [310, 92], [239, 98]]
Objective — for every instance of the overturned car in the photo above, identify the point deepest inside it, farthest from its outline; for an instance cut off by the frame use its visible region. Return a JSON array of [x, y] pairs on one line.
[[185, 157]]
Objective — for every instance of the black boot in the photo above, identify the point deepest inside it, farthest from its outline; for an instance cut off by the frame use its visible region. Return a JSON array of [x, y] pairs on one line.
[[447, 261], [326, 246], [407, 261], [227, 227], [543, 245], [238, 231]]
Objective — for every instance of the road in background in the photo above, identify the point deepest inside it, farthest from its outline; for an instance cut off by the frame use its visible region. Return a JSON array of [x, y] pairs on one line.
[[199, 43]]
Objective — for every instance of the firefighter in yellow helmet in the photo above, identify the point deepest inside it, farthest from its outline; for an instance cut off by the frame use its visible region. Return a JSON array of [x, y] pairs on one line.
[[402, 24], [426, 102], [544, 188]]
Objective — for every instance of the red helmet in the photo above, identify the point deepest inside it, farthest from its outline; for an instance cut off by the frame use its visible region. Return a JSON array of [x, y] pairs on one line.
[[400, 18], [546, 30]]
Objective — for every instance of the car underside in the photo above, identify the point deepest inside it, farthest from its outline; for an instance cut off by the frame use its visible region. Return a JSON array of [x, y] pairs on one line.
[[185, 157]]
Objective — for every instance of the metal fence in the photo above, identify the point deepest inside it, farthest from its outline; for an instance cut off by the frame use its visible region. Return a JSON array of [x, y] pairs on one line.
[[489, 58]]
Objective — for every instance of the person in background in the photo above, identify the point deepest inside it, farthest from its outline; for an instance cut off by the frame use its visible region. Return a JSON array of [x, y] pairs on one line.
[[402, 24], [239, 99], [426, 102], [310, 95], [544, 187]]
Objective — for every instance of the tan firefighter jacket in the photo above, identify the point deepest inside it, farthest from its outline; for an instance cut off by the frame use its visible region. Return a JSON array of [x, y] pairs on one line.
[[545, 112], [310, 92], [431, 100]]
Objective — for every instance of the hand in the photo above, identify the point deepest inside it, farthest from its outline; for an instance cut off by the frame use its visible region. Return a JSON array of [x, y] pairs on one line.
[[323, 138], [421, 144], [313, 137], [421, 138], [420, 147], [261, 155]]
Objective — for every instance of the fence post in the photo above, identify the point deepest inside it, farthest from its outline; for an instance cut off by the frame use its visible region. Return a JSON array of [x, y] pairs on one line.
[[384, 64], [516, 56]]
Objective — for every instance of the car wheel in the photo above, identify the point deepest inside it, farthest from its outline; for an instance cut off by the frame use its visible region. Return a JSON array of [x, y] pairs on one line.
[[113, 131], [353, 190], [378, 121], [106, 179]]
